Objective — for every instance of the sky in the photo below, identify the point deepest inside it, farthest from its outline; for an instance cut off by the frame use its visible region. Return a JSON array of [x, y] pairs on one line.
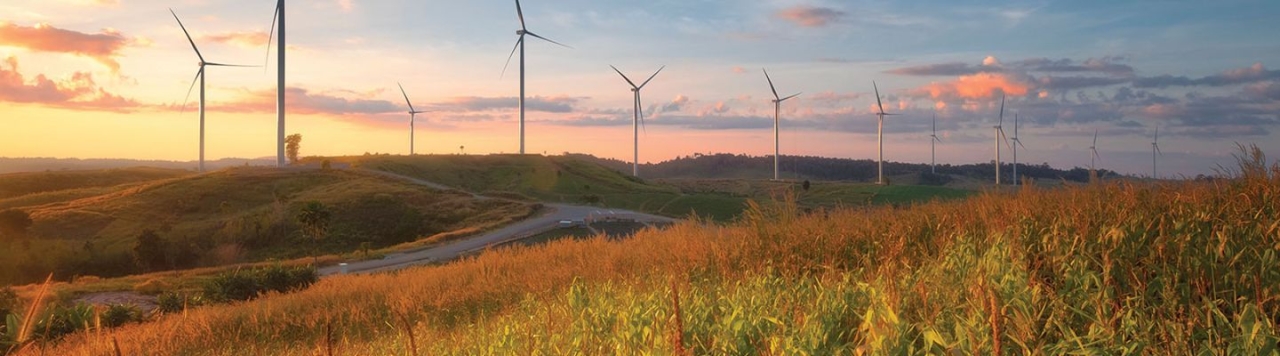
[[109, 78]]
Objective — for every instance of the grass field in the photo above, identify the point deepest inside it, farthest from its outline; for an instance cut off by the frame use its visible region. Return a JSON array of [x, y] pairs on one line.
[[1118, 268], [231, 216]]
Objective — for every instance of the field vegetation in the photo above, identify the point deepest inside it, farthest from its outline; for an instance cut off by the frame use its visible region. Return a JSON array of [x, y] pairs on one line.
[[1111, 268]]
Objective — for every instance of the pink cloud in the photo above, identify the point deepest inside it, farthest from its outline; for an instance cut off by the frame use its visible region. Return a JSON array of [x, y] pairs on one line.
[[103, 47], [810, 16], [78, 92]]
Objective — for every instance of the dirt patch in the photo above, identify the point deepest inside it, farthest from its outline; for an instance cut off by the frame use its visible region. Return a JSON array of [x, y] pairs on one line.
[[145, 302]]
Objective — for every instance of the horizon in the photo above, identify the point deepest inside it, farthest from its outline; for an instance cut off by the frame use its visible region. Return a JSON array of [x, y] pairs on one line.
[[105, 78]]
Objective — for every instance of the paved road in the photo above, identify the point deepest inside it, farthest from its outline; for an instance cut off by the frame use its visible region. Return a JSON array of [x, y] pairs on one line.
[[547, 220]]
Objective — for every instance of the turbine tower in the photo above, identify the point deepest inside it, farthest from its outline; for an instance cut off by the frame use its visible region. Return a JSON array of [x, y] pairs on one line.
[[278, 20], [1016, 143], [880, 135], [520, 45], [777, 112], [933, 145], [412, 114], [200, 76], [999, 128], [1155, 149], [1094, 149], [638, 117]]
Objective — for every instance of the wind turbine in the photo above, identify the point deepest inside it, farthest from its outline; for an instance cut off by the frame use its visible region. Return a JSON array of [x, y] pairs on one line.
[[1000, 135], [412, 113], [777, 111], [638, 118], [1016, 143], [933, 145], [520, 45], [200, 76], [1155, 149], [278, 19], [1094, 149], [880, 134]]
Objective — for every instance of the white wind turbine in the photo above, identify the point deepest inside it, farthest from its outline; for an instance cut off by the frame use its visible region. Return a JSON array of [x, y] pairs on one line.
[[999, 132], [1155, 149], [199, 75], [933, 145], [412, 114], [1016, 142], [277, 19], [520, 45], [638, 117], [880, 135], [1094, 149], [777, 112]]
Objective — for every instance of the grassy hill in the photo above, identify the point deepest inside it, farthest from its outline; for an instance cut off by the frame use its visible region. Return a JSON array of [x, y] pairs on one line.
[[579, 180], [233, 215], [1172, 268], [37, 187]]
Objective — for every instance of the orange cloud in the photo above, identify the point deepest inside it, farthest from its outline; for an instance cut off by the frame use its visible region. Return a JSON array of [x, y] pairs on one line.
[[103, 47], [976, 86], [78, 92], [252, 39], [809, 16]]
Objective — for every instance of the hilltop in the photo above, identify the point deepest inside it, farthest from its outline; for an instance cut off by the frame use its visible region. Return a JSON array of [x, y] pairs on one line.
[[227, 216]]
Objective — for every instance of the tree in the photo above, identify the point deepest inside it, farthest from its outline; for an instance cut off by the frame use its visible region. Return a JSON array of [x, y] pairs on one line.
[[14, 222], [805, 185], [149, 251], [292, 144], [314, 218]]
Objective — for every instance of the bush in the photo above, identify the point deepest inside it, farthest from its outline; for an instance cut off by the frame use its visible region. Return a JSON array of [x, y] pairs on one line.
[[240, 285], [14, 222], [120, 314], [173, 302]]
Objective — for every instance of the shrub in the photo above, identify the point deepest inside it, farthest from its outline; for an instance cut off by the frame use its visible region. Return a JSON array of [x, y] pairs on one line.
[[14, 222], [173, 302], [240, 285], [120, 314]]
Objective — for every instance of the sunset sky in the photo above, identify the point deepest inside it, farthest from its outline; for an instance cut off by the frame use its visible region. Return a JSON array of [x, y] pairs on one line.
[[107, 78]]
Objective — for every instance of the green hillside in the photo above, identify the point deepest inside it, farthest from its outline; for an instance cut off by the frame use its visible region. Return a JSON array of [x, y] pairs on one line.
[[236, 215], [15, 185]]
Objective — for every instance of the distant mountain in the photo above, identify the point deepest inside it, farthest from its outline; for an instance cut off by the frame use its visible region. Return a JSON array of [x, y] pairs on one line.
[[739, 166], [41, 164]]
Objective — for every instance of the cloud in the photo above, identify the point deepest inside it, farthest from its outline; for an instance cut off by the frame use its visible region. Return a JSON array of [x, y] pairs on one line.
[[810, 16], [941, 69], [675, 104], [247, 39], [303, 101], [1252, 74], [346, 5], [102, 47], [833, 98], [557, 104], [739, 70], [1106, 65], [78, 92], [975, 86]]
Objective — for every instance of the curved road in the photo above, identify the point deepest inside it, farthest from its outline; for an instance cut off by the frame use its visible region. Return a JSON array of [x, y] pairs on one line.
[[543, 222]]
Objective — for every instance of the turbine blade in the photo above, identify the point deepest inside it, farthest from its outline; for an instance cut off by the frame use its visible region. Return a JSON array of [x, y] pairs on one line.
[[1019, 142], [1157, 138], [766, 77], [1095, 137], [184, 31], [640, 109], [547, 39], [193, 87], [789, 97], [509, 56], [406, 99], [1005, 138], [1159, 151], [655, 74], [1001, 110], [520, 14], [878, 103], [271, 34], [624, 76], [229, 65]]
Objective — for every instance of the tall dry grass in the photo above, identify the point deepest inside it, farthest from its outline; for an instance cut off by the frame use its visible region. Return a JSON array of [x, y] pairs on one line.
[[1115, 268]]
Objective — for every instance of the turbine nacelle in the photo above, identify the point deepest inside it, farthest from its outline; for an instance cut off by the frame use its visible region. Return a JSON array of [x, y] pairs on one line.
[[521, 32]]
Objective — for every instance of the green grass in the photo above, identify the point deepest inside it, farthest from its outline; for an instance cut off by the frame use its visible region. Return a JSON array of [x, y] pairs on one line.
[[19, 184]]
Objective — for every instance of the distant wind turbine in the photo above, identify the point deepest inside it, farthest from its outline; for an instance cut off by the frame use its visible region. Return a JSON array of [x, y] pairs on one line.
[[880, 135], [1016, 142], [520, 45], [777, 112], [1155, 149], [999, 128], [638, 117], [412, 114], [933, 145], [1094, 149], [278, 19], [199, 75]]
